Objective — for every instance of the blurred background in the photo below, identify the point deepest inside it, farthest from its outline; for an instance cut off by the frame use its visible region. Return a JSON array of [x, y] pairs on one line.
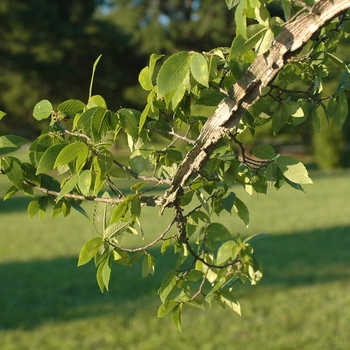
[[47, 49]]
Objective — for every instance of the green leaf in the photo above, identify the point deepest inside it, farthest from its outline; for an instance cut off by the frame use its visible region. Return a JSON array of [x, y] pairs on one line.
[[338, 109], [241, 46], [218, 231], [33, 207], [228, 202], [102, 215], [226, 252], [48, 159], [137, 256], [293, 170], [71, 107], [2, 114], [176, 316], [71, 152], [194, 275], [210, 97], [10, 192], [66, 207], [138, 186], [264, 152], [165, 246], [145, 79], [42, 110], [232, 3], [104, 160], [89, 250], [229, 299], [152, 62], [199, 69], [121, 257], [279, 117], [337, 61], [42, 206], [136, 206], [256, 237], [287, 7], [344, 83], [129, 119], [13, 171], [85, 181], [167, 285], [264, 44], [271, 174], [178, 96], [104, 272], [11, 143], [242, 211], [41, 145], [68, 186], [173, 72], [101, 123], [121, 209], [148, 265], [186, 198], [78, 208], [115, 229], [97, 101], [83, 120], [293, 109], [165, 308], [241, 18], [93, 74]]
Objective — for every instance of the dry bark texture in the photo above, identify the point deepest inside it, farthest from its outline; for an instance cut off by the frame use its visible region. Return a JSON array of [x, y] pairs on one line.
[[248, 88]]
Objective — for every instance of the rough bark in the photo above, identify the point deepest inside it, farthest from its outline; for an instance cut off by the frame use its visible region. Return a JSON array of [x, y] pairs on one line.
[[248, 88]]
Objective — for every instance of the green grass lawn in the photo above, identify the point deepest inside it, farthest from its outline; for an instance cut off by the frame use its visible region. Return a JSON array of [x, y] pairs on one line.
[[303, 302]]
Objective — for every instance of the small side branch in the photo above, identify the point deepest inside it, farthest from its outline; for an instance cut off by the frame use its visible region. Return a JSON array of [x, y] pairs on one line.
[[145, 247]]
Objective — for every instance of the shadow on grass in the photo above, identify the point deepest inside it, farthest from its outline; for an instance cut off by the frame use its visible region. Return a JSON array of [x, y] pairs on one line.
[[17, 204], [35, 292]]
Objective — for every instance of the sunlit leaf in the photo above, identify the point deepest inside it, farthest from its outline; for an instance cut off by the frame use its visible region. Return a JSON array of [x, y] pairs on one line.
[[232, 3], [199, 69], [48, 159], [89, 250], [13, 171], [293, 170], [69, 185], [11, 143], [71, 152], [173, 72], [42, 110]]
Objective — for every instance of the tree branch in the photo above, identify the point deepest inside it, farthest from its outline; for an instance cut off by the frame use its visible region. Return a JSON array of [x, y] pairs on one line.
[[248, 88], [145, 247], [151, 201]]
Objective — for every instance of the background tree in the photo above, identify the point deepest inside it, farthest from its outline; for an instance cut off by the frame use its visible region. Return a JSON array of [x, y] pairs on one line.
[[47, 50], [250, 83], [174, 25]]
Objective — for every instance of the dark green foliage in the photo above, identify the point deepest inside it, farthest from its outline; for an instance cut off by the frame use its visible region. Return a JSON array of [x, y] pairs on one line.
[[47, 51], [329, 147]]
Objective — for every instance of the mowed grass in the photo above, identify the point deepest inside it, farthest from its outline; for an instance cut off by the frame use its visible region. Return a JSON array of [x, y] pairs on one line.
[[303, 302]]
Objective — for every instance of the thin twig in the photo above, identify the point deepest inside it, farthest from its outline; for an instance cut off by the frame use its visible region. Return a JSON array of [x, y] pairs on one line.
[[145, 247], [137, 176], [201, 286], [148, 200], [173, 133]]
